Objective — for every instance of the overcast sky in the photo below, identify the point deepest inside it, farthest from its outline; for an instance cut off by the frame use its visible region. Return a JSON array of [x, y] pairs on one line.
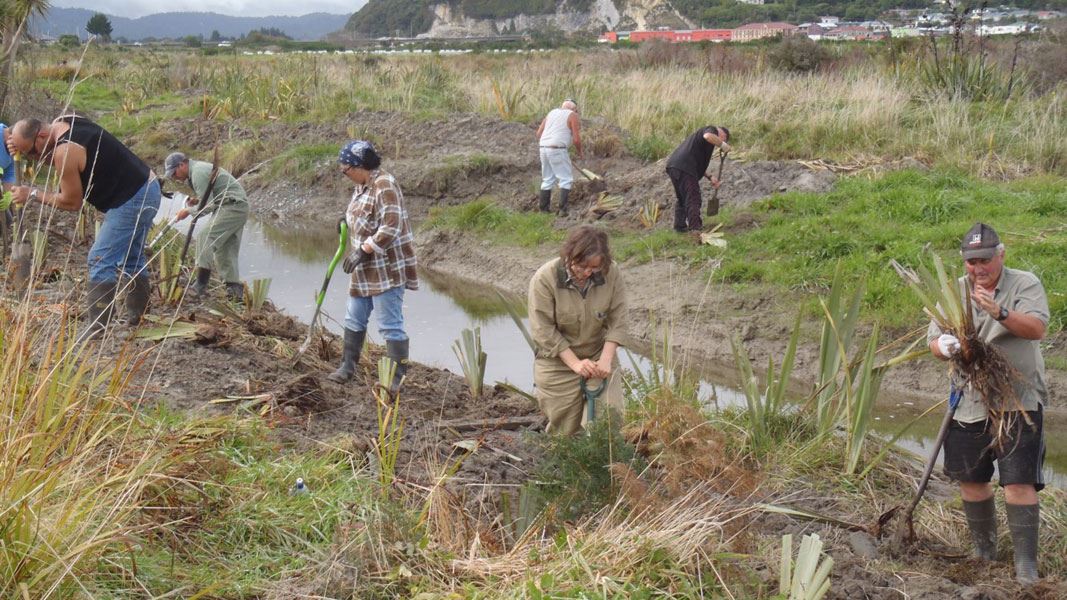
[[238, 8]]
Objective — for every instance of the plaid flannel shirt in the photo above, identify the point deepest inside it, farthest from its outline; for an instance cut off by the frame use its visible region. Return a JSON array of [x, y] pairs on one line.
[[376, 216]]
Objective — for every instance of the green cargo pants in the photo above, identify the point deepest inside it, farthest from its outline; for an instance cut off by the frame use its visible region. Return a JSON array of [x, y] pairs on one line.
[[219, 244], [559, 395]]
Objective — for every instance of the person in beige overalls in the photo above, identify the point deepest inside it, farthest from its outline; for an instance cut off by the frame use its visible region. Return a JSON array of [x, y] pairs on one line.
[[576, 303]]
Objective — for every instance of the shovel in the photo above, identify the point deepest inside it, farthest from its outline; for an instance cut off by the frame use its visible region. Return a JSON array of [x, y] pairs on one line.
[[905, 535], [713, 203], [21, 251], [342, 245], [591, 396]]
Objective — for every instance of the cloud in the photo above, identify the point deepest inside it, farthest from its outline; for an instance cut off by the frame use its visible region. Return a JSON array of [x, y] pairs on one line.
[[238, 8]]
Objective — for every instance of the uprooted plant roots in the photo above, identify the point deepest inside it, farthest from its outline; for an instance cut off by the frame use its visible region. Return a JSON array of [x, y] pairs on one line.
[[983, 370]]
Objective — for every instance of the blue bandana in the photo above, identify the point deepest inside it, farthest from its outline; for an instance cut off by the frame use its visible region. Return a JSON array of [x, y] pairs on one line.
[[354, 153]]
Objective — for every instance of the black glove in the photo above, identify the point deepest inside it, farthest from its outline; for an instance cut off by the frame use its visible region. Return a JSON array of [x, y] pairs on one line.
[[354, 259], [340, 222]]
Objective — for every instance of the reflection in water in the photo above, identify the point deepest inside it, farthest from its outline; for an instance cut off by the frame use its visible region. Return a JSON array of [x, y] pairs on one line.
[[296, 260]]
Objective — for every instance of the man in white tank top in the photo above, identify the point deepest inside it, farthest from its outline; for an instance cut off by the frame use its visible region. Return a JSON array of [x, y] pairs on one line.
[[558, 130]]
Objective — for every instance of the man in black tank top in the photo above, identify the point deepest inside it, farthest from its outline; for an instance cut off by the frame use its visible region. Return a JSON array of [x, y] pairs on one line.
[[94, 167], [686, 166]]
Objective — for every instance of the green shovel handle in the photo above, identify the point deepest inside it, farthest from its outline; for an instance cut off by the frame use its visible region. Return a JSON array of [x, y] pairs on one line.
[[342, 245]]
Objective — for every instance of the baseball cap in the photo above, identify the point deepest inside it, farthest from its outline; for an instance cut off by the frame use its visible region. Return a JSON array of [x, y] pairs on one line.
[[174, 160], [980, 242]]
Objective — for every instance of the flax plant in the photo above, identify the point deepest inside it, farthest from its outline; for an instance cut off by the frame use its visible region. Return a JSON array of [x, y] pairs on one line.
[[808, 578], [978, 366], [841, 315], [256, 295], [468, 350], [765, 406]]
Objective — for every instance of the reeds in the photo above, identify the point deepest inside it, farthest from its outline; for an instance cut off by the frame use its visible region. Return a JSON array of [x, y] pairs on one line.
[[390, 425]]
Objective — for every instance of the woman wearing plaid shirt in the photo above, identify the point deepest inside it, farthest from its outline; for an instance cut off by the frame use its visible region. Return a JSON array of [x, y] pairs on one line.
[[381, 260]]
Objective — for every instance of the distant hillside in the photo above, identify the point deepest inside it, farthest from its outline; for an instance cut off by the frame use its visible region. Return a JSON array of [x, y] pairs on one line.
[[459, 18], [313, 26]]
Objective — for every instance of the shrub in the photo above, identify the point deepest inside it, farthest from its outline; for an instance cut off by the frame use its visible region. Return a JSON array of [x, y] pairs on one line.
[[798, 54]]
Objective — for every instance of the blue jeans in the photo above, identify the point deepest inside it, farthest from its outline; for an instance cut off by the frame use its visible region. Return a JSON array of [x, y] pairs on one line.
[[119, 247], [390, 305]]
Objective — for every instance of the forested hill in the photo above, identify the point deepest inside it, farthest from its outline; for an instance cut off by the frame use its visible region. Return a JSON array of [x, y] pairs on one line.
[[59, 21]]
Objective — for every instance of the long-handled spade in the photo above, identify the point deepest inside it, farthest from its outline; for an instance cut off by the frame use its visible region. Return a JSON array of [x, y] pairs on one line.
[[342, 245], [713, 203], [905, 534], [591, 396], [21, 251]]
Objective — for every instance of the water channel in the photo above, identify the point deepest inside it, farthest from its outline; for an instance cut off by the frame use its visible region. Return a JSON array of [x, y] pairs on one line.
[[296, 259]]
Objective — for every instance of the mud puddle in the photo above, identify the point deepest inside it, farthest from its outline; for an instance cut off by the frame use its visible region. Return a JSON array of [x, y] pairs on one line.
[[295, 260]]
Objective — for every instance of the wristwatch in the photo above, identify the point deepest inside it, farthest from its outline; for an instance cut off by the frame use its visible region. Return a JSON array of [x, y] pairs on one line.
[[33, 194], [1003, 314]]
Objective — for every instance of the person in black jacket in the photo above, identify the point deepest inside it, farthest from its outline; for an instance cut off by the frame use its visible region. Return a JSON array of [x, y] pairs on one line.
[[94, 167], [686, 166]]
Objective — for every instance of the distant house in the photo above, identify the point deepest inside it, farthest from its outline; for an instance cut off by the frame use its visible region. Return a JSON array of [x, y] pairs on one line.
[[750, 1], [855, 32], [608, 37], [756, 31], [812, 30], [829, 22]]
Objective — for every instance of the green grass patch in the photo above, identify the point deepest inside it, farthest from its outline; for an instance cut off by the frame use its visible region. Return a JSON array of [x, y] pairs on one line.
[[250, 531], [90, 94], [865, 223], [500, 225], [301, 163]]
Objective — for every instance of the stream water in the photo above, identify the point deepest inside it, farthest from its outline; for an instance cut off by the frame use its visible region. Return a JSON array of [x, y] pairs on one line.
[[296, 259]]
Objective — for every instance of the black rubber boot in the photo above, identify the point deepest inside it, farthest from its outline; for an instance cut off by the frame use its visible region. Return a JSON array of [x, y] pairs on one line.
[[563, 201], [137, 299], [350, 358], [235, 291], [982, 521], [398, 351], [99, 301], [199, 287], [545, 200], [1023, 521]]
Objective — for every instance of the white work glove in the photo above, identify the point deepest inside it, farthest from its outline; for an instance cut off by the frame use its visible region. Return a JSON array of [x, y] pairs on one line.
[[948, 345]]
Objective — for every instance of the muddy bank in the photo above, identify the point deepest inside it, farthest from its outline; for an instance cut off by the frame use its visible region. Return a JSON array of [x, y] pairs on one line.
[[467, 156]]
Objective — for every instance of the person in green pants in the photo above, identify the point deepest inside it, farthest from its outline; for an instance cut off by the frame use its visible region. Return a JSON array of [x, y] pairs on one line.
[[219, 243]]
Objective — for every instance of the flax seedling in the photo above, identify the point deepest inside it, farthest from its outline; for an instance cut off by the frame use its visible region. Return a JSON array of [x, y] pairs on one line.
[[472, 359], [808, 578], [256, 295], [390, 425], [649, 213], [841, 315], [765, 406]]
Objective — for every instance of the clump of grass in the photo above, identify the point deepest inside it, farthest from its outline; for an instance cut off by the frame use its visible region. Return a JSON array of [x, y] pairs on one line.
[[501, 224]]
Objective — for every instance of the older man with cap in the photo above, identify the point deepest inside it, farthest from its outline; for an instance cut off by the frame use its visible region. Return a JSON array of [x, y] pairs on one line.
[[219, 244], [557, 131], [381, 260], [1010, 312], [95, 167]]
